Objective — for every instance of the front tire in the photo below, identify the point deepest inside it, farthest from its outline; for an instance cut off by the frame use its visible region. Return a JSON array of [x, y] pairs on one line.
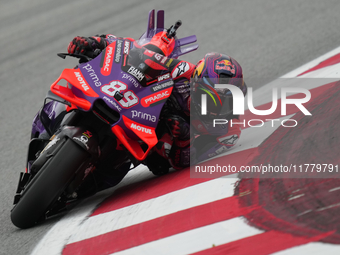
[[48, 184]]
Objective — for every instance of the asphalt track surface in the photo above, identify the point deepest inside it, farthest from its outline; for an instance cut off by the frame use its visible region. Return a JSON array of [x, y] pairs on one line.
[[268, 38]]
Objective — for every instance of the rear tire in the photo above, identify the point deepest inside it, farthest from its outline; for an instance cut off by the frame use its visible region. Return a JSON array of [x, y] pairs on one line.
[[48, 184]]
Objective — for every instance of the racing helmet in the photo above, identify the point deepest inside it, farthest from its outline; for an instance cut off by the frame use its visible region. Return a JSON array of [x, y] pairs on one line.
[[215, 68]]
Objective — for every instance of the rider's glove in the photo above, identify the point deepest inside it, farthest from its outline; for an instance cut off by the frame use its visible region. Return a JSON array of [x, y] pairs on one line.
[[158, 162], [179, 127], [182, 157], [86, 45]]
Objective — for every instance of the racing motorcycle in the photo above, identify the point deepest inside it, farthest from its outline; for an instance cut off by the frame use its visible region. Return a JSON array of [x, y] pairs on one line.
[[103, 110]]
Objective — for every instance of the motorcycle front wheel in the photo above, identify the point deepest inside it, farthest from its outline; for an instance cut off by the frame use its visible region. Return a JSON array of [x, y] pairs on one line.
[[48, 184]]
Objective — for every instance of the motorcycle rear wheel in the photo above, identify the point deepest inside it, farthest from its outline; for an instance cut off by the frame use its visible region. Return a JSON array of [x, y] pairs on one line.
[[48, 184]]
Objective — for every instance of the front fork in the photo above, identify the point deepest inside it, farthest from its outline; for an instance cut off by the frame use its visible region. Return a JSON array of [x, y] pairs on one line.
[[37, 158]]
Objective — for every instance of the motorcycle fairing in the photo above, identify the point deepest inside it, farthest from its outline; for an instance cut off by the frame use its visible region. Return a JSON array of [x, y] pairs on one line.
[[99, 78], [145, 133], [75, 78]]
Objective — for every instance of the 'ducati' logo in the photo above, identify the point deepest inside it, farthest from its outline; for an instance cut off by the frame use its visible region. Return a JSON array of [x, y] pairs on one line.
[[107, 63], [156, 97]]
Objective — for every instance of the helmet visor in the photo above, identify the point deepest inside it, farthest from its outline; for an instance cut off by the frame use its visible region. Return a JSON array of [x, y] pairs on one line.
[[210, 103]]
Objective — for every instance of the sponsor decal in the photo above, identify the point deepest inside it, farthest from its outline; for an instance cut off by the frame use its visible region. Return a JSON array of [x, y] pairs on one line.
[[163, 77], [126, 47], [181, 68], [156, 97], [143, 116], [92, 74], [158, 56], [131, 79], [225, 65], [88, 134], [83, 139], [141, 129], [165, 39], [149, 53], [112, 103], [219, 151], [136, 73], [126, 51], [211, 155], [229, 140], [222, 149], [107, 64], [82, 81], [163, 60], [169, 62], [162, 85], [118, 52]]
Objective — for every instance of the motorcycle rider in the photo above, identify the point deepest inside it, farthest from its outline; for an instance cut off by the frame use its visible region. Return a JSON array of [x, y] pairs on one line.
[[201, 140]]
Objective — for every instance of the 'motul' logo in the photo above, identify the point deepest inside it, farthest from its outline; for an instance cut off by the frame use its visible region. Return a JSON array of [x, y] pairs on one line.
[[238, 101]]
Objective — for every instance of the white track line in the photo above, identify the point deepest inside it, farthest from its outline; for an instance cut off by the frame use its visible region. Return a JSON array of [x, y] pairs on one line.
[[328, 74], [311, 64], [197, 239], [173, 202], [312, 249], [331, 72], [263, 95]]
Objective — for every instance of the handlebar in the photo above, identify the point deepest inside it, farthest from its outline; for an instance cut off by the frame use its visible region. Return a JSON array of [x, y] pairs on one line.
[[171, 32], [82, 58]]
